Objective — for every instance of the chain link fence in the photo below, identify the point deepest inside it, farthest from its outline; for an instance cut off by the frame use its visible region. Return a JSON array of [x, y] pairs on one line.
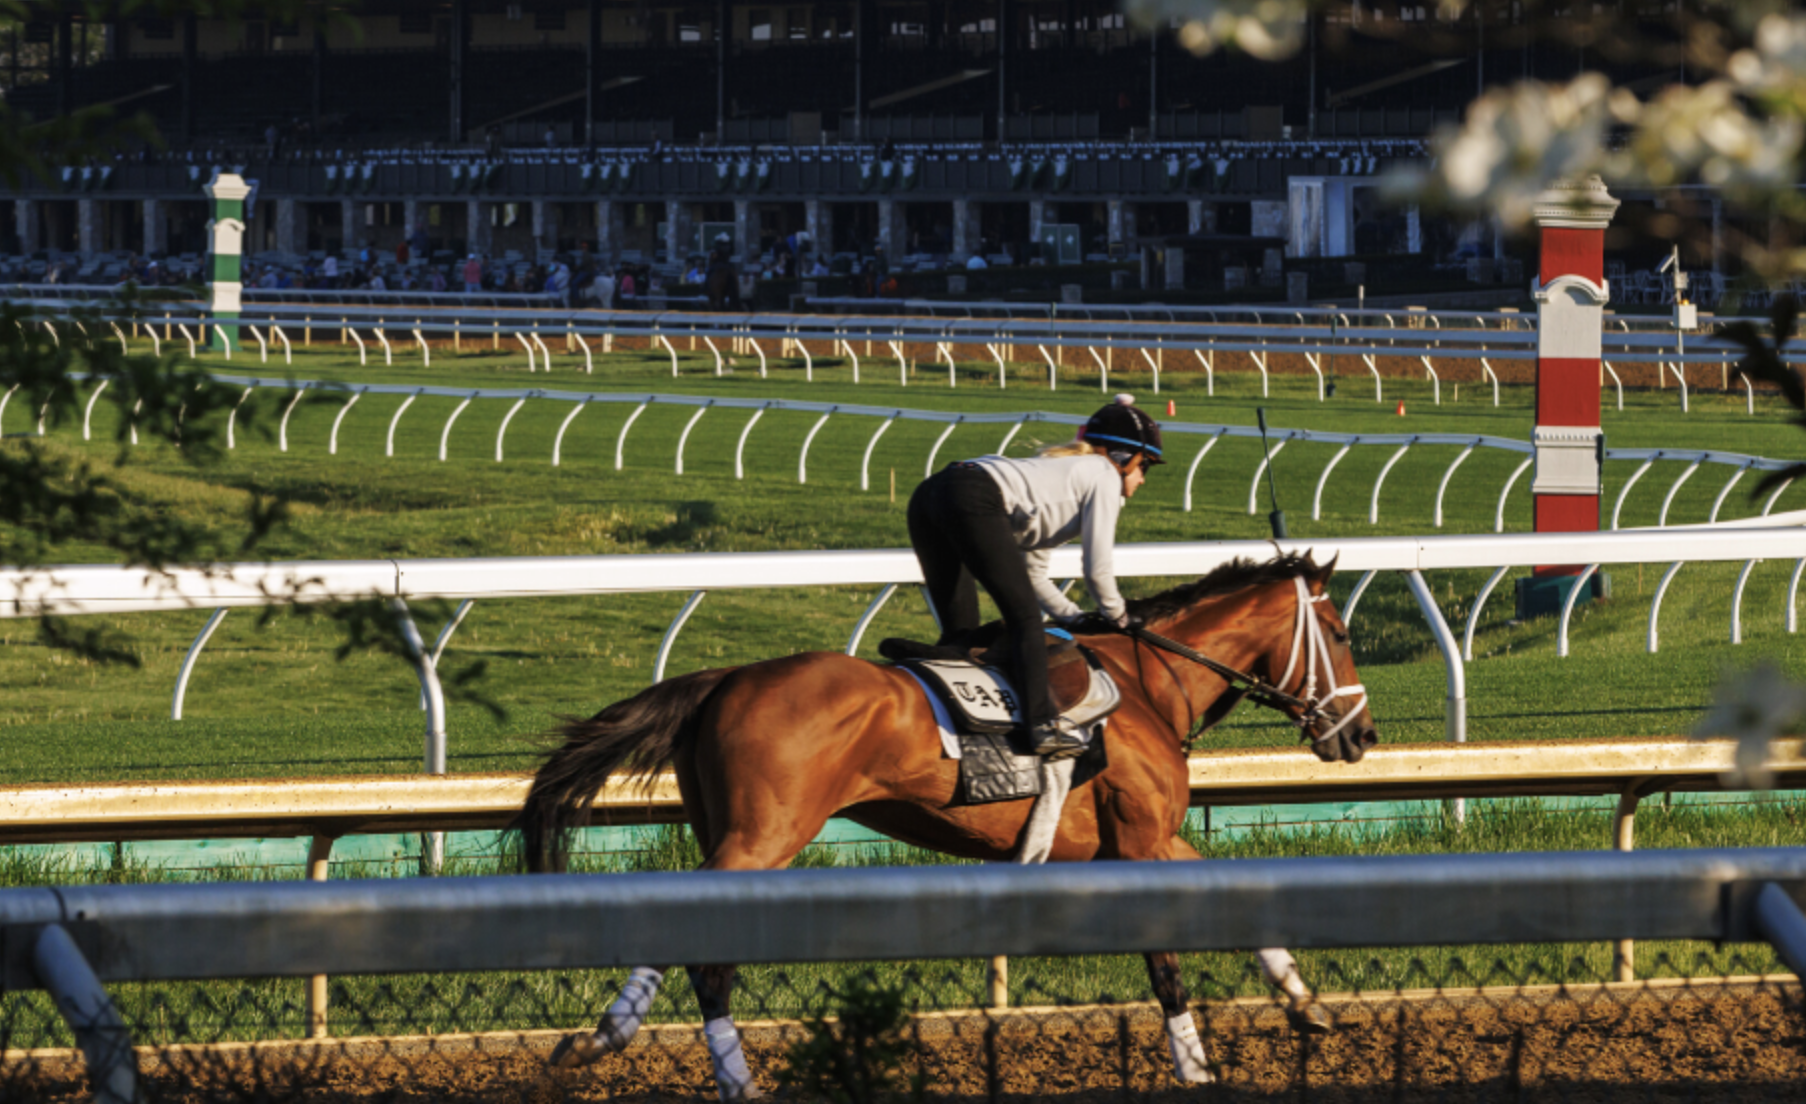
[[1721, 1028]]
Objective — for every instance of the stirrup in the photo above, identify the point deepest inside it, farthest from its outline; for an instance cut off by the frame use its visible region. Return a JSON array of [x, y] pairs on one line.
[[1057, 739]]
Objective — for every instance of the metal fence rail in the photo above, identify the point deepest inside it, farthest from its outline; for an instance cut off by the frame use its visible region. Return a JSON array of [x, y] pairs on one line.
[[72, 941]]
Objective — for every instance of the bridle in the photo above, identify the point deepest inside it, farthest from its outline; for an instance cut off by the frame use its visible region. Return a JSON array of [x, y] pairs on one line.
[[1319, 666]]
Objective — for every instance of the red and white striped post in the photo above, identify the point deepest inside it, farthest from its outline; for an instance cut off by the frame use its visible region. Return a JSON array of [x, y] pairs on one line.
[[1571, 294]]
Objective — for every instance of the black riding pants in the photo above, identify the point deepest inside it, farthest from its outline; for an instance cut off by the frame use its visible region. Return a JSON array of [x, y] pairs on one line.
[[962, 537]]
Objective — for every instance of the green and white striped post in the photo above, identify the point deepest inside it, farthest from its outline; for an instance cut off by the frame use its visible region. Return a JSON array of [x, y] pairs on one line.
[[226, 234]]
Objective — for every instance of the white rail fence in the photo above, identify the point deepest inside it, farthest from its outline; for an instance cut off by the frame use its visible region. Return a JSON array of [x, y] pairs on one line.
[[1402, 443], [1092, 344], [118, 590], [73, 940]]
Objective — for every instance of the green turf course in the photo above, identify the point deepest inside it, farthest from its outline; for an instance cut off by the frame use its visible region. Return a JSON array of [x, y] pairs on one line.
[[271, 700]]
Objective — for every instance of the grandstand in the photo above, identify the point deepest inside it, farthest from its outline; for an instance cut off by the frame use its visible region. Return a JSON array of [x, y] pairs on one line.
[[632, 130]]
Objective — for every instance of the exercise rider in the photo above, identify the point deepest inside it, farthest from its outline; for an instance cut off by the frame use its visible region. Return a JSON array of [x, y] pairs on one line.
[[993, 521]]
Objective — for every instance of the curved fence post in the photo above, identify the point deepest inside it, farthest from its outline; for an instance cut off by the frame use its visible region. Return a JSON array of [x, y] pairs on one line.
[[558, 441], [866, 618], [528, 346], [621, 441], [1613, 372], [684, 437], [865, 464], [1260, 361], [362, 354], [332, 447], [1455, 719], [1435, 380], [928, 468], [1373, 366], [1323, 479], [1498, 517], [1567, 608], [502, 430], [1192, 471], [545, 353], [389, 447], [677, 624], [1442, 488], [1668, 500], [263, 346], [186, 671], [1486, 367], [1266, 459], [433, 857], [710, 342], [1373, 506], [88, 413], [101, 1034], [1316, 363], [1652, 638], [1011, 435], [282, 430], [1103, 367], [426, 354], [802, 460], [1354, 596], [445, 434], [1473, 615], [231, 418], [1793, 594], [1210, 372], [740, 448], [1723, 491], [589, 363], [1743, 578], [1624, 492], [444, 638], [388, 350]]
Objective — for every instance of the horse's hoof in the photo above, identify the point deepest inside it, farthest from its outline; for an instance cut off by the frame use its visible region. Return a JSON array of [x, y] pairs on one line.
[[1199, 1077], [1310, 1018], [578, 1050], [732, 1094]]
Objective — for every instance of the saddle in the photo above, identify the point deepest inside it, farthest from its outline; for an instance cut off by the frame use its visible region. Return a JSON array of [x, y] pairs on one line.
[[996, 761]]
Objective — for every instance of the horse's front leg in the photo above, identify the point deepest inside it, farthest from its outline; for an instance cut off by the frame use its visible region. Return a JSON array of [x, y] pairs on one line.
[[1190, 1064], [714, 987]]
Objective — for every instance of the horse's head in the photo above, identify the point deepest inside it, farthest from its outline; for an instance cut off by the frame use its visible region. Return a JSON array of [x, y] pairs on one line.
[[1315, 665]]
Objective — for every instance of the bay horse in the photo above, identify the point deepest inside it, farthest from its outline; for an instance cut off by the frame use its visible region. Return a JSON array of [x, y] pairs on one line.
[[760, 771]]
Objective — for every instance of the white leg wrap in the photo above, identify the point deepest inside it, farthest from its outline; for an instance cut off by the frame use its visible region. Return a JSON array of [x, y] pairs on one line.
[[623, 1019], [1189, 1063], [1279, 968], [731, 1075]]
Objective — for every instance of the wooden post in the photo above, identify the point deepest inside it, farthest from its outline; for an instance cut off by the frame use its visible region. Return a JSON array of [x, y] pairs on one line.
[[997, 974], [319, 856]]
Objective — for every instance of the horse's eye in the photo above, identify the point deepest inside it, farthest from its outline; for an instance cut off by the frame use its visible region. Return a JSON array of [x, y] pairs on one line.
[[1341, 636]]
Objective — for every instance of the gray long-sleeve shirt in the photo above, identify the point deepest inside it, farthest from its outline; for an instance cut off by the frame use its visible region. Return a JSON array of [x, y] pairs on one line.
[[1050, 501]]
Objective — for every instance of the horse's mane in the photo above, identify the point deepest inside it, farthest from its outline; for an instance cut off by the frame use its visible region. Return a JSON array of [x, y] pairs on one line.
[[1234, 575]]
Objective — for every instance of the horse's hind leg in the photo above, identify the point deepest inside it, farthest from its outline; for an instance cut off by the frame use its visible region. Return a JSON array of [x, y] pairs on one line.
[[1303, 1009], [1190, 1064], [619, 1024]]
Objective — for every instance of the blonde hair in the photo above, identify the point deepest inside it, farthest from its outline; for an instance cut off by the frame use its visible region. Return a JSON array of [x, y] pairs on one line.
[[1075, 447]]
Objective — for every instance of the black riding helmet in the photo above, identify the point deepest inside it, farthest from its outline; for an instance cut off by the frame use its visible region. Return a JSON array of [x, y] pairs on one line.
[[1124, 427]]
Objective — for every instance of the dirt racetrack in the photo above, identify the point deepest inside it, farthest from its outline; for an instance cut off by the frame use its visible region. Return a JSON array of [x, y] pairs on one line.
[[1712, 1043]]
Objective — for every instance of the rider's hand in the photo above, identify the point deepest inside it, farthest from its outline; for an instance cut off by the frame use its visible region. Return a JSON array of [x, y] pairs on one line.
[[1092, 624]]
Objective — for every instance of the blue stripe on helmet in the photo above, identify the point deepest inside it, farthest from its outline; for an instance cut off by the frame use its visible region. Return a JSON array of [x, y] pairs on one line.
[[1144, 446]]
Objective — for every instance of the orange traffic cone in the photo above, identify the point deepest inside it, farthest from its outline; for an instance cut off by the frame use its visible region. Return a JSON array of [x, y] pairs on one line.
[[1401, 408], [1172, 408]]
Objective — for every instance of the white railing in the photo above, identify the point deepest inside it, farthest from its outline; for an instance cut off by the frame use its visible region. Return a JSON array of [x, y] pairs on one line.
[[1042, 341], [117, 590], [1402, 443]]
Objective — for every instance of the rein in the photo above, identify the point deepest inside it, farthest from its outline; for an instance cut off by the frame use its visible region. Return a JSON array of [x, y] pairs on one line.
[[1307, 637]]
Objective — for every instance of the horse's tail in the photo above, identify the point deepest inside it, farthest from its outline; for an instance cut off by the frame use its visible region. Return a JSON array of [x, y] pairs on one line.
[[634, 737]]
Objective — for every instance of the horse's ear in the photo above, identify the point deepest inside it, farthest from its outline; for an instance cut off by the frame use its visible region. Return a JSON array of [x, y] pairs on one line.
[[1328, 569]]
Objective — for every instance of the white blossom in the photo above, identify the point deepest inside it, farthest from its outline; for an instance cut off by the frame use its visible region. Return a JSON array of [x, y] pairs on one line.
[[1515, 143], [1754, 708], [1267, 29]]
